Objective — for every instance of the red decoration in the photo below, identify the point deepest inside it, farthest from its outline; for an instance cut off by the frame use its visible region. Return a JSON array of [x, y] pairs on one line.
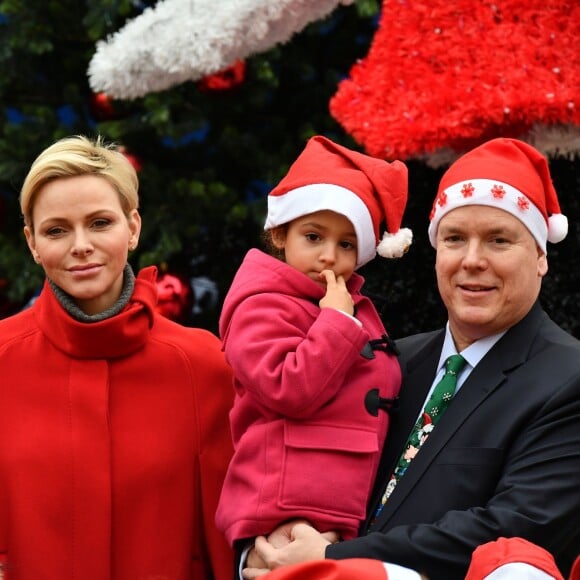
[[498, 191], [467, 190], [443, 74], [134, 161], [523, 203], [132, 158], [175, 297], [102, 107], [226, 79]]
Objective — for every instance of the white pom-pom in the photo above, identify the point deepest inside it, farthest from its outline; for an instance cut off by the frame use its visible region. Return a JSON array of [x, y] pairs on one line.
[[557, 228], [395, 245]]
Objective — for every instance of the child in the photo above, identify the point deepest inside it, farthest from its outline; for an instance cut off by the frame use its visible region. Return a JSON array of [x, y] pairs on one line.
[[314, 369]]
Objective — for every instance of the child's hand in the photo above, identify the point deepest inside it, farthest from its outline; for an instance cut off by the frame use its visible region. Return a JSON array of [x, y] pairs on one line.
[[337, 296]]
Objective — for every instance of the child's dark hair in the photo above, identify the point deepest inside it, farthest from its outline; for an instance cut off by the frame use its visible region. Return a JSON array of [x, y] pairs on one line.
[[268, 241]]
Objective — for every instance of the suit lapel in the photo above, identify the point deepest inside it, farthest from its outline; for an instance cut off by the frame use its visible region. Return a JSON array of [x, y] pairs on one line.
[[418, 372], [509, 353]]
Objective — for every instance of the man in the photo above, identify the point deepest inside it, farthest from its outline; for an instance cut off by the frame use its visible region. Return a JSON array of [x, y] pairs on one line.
[[505, 458]]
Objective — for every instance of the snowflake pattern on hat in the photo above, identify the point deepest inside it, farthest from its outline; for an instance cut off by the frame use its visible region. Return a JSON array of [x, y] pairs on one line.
[[508, 174]]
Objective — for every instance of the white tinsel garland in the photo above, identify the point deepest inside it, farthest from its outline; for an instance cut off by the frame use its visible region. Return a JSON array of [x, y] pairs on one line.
[[181, 40]]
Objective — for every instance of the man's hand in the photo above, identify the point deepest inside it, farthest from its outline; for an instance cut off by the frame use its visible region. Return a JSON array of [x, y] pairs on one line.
[[296, 542], [280, 537]]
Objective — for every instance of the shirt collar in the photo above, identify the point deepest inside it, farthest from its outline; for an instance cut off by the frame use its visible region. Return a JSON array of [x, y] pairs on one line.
[[473, 353]]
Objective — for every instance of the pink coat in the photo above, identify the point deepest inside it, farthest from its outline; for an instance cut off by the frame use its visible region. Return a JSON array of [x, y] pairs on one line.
[[113, 445], [307, 441]]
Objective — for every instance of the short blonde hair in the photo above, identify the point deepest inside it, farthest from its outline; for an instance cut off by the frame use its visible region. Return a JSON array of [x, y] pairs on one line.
[[78, 155]]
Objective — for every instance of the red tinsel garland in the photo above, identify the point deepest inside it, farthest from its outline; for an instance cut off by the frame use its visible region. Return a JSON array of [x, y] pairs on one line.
[[443, 74]]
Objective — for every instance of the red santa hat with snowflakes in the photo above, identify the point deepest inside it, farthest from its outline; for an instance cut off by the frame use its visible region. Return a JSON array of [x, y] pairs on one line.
[[508, 174], [366, 190]]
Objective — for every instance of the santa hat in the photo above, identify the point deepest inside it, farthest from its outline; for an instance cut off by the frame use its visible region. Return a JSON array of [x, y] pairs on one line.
[[507, 174], [366, 190], [348, 569], [509, 558]]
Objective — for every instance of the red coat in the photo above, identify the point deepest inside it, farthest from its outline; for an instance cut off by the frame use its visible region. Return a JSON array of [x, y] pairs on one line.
[[306, 443], [113, 445]]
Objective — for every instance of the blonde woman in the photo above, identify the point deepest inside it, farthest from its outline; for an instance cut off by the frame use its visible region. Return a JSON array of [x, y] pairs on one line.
[[114, 438]]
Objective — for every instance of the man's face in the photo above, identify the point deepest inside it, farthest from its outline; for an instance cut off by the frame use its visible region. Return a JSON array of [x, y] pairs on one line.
[[489, 271]]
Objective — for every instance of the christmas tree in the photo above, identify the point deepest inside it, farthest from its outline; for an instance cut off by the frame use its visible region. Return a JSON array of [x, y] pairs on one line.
[[209, 150]]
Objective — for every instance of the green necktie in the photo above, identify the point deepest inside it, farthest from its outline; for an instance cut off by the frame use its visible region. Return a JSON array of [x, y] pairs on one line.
[[444, 390], [432, 413]]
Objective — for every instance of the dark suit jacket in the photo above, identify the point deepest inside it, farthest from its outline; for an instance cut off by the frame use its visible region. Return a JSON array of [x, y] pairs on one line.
[[503, 461]]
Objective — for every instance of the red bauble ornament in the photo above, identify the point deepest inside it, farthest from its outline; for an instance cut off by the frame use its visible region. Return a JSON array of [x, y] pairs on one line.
[[175, 297], [102, 107], [132, 158], [226, 79], [134, 161]]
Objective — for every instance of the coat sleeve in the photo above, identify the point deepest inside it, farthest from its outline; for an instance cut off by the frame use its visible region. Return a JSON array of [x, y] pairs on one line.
[[292, 361], [535, 497], [213, 558]]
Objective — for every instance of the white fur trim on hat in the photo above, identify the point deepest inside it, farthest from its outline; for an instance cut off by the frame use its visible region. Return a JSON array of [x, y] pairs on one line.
[[557, 228], [395, 245], [493, 194], [520, 570], [396, 572], [325, 196]]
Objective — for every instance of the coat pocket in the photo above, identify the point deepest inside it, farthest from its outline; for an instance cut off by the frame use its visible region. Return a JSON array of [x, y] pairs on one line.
[[327, 469]]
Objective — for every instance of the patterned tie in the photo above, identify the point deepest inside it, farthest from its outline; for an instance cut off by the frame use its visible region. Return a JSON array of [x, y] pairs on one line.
[[432, 413]]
